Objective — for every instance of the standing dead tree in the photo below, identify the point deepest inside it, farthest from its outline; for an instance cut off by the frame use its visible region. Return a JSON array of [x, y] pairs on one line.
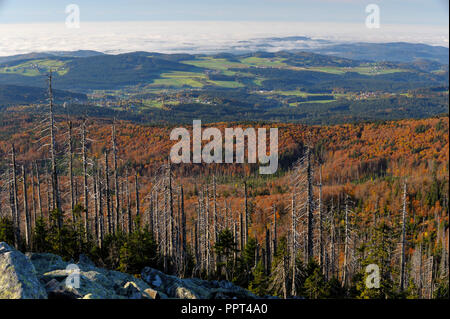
[[25, 208], [16, 213], [54, 175], [403, 242], [116, 177], [85, 179]]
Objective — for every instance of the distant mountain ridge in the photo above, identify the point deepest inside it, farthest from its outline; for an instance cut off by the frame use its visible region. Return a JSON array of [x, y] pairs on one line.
[[49, 54], [395, 52]]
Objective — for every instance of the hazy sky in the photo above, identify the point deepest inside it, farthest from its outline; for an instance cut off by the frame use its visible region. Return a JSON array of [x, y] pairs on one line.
[[431, 12], [212, 26]]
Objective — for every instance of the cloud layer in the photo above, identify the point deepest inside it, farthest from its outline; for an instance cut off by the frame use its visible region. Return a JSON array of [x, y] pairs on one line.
[[202, 37]]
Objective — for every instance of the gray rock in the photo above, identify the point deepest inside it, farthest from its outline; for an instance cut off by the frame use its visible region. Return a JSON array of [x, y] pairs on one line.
[[57, 290], [193, 288], [130, 290], [18, 277], [45, 262]]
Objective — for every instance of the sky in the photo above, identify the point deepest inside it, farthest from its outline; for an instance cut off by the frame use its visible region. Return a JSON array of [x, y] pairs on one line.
[[210, 25], [426, 12]]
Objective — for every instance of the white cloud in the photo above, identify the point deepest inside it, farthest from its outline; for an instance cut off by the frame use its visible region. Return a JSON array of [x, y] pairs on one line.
[[200, 37]]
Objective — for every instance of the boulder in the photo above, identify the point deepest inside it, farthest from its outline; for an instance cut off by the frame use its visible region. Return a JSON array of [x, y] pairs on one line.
[[193, 288], [150, 293], [130, 290], [18, 277], [57, 290]]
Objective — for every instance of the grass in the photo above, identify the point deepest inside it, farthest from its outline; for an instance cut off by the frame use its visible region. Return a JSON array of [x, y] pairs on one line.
[[180, 79], [264, 62], [191, 79], [365, 70], [28, 68], [215, 64]]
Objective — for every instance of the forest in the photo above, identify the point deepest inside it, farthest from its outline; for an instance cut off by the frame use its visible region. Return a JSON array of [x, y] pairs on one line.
[[345, 197]]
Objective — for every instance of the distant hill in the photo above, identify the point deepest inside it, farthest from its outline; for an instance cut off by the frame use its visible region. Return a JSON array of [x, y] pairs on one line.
[[395, 52], [99, 71], [50, 54], [15, 94]]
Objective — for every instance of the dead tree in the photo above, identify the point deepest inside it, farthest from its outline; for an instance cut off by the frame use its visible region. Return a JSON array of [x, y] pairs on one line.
[[85, 179], [332, 244], [293, 245], [346, 246], [136, 188], [170, 213], [309, 208], [108, 196], [116, 177], [72, 198], [402, 260], [100, 208], [275, 239], [33, 198], [16, 214], [25, 209], [55, 189], [38, 185], [320, 226], [183, 233], [246, 219], [127, 192]]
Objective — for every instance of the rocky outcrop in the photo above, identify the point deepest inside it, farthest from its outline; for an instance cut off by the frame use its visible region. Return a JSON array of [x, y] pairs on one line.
[[18, 277], [43, 275], [193, 288]]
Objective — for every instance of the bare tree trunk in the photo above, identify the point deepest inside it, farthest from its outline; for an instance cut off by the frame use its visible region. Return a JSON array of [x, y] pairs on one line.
[[246, 215], [100, 208], [332, 249], [346, 243], [285, 276], [96, 223], [309, 209], [127, 191], [320, 223], [293, 245], [25, 209], [274, 244], [215, 228], [207, 233], [108, 197], [402, 261], [55, 189], [183, 232], [33, 198], [49, 198], [136, 187], [72, 198], [116, 177], [38, 180], [156, 223], [241, 232], [85, 181], [15, 199], [171, 216]]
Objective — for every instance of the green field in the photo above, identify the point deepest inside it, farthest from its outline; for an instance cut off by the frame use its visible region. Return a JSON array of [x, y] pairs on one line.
[[214, 64], [32, 67]]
